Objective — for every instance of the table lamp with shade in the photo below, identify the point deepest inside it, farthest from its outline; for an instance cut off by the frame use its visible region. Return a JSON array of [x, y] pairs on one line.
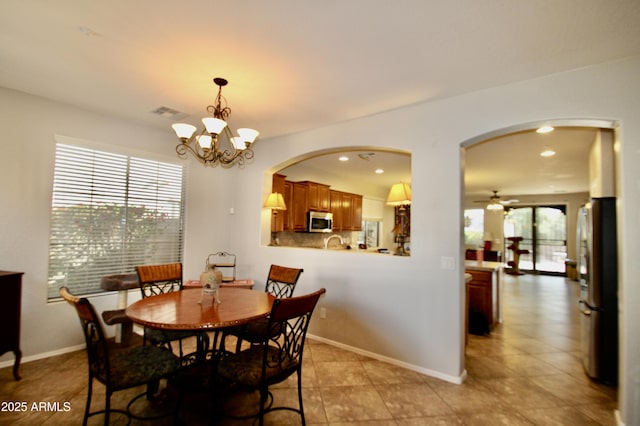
[[400, 196], [275, 202]]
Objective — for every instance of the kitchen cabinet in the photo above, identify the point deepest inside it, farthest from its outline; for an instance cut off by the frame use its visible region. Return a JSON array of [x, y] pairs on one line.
[[279, 185], [324, 199], [347, 211], [480, 294], [10, 307], [483, 290], [318, 196], [288, 200], [300, 206], [301, 197], [336, 209], [356, 212]]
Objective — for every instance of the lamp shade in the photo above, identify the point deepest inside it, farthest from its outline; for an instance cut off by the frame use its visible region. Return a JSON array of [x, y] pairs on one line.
[[275, 201], [495, 206], [183, 130], [248, 135], [238, 143], [204, 141], [399, 195], [214, 125]]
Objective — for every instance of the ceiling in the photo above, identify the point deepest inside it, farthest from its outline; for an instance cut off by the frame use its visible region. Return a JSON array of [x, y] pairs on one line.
[[295, 65], [512, 164]]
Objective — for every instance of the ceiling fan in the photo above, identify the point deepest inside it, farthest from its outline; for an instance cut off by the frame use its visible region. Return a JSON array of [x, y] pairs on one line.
[[495, 203]]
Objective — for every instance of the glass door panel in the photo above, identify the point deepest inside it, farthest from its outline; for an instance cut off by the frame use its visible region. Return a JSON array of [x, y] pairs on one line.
[[551, 239], [544, 235]]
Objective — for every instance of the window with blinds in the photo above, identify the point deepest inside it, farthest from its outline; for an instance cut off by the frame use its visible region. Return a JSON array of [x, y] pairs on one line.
[[109, 213]]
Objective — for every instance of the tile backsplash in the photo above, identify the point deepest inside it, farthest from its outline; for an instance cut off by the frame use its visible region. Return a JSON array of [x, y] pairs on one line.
[[314, 240]]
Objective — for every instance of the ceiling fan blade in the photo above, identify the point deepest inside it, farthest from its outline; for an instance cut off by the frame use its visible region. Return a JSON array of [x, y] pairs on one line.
[[509, 201]]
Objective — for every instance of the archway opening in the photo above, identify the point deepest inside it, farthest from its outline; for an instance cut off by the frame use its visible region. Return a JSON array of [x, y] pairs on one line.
[[351, 184]]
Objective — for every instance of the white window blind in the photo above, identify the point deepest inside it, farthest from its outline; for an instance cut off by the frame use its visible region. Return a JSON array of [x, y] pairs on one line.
[[109, 213]]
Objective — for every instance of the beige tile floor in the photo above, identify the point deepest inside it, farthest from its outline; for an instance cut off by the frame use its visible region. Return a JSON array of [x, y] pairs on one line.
[[526, 373]]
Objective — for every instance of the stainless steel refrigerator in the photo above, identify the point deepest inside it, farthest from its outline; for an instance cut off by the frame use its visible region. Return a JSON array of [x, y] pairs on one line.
[[597, 265]]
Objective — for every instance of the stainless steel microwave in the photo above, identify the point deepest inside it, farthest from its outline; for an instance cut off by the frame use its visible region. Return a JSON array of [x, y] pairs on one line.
[[319, 222]]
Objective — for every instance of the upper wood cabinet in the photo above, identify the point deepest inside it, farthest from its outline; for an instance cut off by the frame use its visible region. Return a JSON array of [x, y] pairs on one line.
[[347, 211], [300, 206], [319, 199], [301, 197], [288, 199], [356, 211], [336, 209], [279, 185]]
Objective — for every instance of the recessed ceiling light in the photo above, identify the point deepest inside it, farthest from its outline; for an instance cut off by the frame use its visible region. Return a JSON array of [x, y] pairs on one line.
[[547, 152], [379, 171], [343, 158], [545, 129]]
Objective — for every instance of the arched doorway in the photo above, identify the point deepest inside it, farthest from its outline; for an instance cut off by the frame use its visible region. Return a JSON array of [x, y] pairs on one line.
[[542, 201]]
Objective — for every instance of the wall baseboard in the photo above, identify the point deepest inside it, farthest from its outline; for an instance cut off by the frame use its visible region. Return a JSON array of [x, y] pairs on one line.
[[36, 357], [446, 377]]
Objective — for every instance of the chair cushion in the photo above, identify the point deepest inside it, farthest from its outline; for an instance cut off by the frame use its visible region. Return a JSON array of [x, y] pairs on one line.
[[141, 365], [156, 336], [245, 368], [255, 331]]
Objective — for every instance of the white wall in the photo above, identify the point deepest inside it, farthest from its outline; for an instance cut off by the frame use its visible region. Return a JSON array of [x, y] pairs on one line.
[[27, 152], [601, 162], [409, 308], [404, 308]]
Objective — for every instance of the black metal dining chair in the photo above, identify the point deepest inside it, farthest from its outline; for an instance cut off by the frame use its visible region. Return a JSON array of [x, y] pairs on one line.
[[281, 282], [144, 365], [161, 279], [277, 356]]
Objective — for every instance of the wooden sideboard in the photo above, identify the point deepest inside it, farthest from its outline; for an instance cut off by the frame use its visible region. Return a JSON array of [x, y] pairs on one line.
[[10, 302]]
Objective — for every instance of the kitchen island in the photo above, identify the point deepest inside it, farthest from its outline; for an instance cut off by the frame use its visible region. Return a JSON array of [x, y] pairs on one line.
[[484, 290]]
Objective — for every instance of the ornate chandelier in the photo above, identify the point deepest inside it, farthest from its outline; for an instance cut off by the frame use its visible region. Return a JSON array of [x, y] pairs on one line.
[[206, 146]]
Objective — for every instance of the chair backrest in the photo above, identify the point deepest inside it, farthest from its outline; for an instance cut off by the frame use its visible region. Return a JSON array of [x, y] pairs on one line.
[[97, 348], [282, 280], [225, 262], [159, 279], [291, 316]]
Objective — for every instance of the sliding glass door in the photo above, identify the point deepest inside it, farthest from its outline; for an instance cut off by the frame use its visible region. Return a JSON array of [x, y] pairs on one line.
[[544, 235]]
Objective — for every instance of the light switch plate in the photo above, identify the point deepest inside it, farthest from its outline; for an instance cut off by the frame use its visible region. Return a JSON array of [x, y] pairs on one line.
[[447, 262]]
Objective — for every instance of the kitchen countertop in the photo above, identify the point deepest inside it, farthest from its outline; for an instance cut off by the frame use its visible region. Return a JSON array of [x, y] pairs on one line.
[[474, 265], [341, 250]]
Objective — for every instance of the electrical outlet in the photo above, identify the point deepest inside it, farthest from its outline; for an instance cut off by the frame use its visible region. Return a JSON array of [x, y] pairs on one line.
[[323, 313]]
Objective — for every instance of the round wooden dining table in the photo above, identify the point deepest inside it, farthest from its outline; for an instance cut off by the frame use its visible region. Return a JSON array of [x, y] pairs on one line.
[[184, 310]]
